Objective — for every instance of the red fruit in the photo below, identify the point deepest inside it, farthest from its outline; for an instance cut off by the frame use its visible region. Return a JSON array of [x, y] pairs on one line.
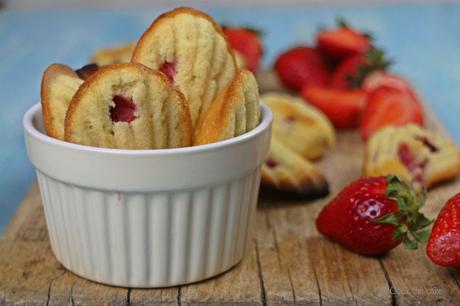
[[366, 218], [169, 69], [348, 68], [389, 106], [343, 107], [377, 79], [247, 43], [354, 69], [124, 109], [342, 42], [301, 66], [444, 243]]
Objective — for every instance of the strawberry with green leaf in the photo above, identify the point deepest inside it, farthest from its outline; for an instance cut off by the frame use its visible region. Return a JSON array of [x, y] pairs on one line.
[[353, 70], [373, 215], [389, 106]]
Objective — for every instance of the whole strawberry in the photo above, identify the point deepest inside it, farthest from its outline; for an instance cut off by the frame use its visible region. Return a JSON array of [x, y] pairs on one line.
[[443, 246], [301, 66], [373, 215], [247, 43], [354, 69]]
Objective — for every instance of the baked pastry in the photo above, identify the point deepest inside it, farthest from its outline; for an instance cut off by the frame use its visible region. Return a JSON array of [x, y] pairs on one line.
[[189, 47], [235, 111], [299, 125], [113, 55], [287, 171], [413, 154], [128, 106], [59, 84], [123, 53]]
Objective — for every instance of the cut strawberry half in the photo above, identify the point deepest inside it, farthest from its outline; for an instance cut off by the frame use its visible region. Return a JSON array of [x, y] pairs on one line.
[[389, 106], [343, 107], [342, 42], [378, 79]]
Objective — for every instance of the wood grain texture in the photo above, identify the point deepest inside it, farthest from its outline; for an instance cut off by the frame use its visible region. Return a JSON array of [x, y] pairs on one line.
[[288, 262]]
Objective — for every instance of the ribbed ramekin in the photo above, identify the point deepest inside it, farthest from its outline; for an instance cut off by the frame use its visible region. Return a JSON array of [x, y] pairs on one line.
[[148, 218]]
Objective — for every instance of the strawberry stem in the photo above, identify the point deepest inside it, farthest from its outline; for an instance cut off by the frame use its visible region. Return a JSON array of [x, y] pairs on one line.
[[408, 220], [374, 60], [341, 22]]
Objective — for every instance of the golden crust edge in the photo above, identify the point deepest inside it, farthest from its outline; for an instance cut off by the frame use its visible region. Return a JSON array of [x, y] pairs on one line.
[[50, 73], [211, 124], [171, 14]]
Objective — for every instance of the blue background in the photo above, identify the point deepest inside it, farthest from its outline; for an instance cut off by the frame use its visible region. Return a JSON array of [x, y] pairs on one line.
[[424, 40]]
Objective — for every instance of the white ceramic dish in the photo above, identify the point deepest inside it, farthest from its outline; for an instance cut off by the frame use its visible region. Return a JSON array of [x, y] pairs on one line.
[[148, 218]]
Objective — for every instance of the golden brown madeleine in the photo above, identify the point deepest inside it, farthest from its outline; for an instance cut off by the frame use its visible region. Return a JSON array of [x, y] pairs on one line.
[[287, 171], [189, 47], [235, 111], [59, 84], [300, 126], [128, 106], [412, 153]]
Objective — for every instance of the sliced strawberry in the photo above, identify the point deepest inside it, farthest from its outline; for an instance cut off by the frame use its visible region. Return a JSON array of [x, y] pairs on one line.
[[342, 42], [443, 246], [301, 66], [247, 42], [389, 106], [380, 78], [343, 107]]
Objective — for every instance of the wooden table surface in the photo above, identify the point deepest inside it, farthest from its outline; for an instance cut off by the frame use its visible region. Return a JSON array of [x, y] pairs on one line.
[[288, 263]]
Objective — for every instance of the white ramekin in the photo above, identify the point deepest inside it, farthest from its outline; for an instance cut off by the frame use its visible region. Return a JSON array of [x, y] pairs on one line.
[[148, 218]]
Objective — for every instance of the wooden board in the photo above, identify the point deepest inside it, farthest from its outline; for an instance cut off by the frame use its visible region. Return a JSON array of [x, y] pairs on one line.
[[289, 262]]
